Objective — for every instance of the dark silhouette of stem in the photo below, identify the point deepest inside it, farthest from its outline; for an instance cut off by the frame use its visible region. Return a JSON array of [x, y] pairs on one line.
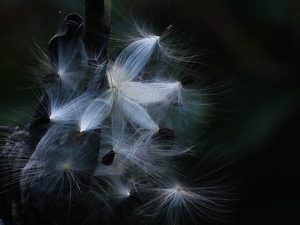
[[97, 28]]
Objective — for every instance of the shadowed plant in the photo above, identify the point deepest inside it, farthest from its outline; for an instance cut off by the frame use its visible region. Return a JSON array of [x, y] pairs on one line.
[[108, 141]]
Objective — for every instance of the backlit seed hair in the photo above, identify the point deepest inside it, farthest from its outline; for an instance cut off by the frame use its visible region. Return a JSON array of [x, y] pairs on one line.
[[107, 136]]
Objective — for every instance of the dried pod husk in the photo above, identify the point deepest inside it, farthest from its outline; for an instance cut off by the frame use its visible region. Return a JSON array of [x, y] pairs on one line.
[[66, 40]]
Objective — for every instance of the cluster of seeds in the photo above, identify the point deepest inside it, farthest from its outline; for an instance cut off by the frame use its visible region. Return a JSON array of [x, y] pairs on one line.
[[106, 141]]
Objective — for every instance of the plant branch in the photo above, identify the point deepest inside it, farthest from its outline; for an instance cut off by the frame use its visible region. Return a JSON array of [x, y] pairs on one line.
[[97, 28]]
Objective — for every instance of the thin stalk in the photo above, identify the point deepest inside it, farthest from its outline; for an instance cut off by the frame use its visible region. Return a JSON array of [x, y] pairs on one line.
[[97, 28]]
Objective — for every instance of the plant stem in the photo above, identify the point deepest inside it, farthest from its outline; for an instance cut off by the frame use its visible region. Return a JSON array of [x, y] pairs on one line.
[[97, 28]]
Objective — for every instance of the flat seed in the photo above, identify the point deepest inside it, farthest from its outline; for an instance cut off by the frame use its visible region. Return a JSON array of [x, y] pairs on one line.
[[137, 199], [78, 136], [166, 31], [50, 78], [108, 159], [41, 121], [93, 63], [189, 79], [166, 133]]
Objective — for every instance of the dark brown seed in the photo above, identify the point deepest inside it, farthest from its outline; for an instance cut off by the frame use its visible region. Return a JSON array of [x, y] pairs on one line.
[[166, 31], [166, 133], [177, 103], [189, 79], [108, 159], [93, 63], [50, 78], [41, 121], [78, 135], [137, 199]]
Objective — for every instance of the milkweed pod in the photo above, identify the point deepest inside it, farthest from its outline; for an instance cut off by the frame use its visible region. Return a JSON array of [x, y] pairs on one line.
[[74, 23]]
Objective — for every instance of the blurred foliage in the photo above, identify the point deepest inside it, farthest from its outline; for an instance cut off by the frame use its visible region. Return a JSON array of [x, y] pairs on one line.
[[251, 55]]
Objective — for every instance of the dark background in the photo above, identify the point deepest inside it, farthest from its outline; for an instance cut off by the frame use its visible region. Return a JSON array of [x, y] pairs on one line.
[[250, 54]]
